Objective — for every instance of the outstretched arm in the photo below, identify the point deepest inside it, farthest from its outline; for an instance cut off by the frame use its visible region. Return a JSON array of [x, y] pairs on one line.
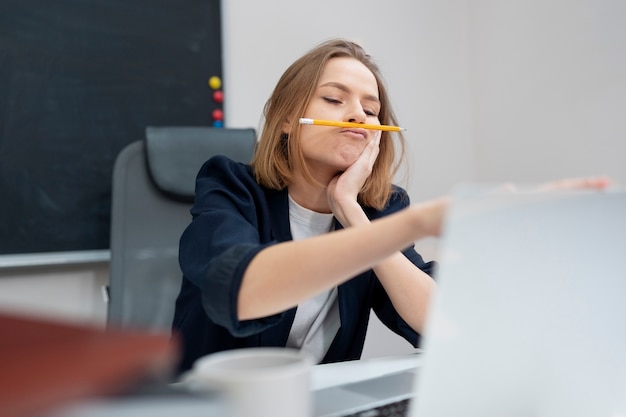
[[283, 275]]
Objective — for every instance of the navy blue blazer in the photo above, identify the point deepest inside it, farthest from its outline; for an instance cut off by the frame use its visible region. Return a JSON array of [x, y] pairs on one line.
[[233, 218]]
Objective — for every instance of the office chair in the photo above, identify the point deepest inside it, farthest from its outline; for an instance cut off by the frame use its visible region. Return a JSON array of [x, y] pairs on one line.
[[152, 192]]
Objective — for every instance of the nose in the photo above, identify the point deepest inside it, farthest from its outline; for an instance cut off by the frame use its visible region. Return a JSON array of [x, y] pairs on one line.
[[356, 114]]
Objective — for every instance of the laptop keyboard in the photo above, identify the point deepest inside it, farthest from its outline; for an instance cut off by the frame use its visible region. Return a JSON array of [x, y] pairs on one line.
[[387, 395], [395, 409]]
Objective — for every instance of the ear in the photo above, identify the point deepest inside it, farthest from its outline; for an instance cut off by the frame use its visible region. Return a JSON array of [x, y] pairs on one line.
[[287, 126]]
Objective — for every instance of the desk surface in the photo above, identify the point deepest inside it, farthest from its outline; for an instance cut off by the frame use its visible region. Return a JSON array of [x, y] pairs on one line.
[[323, 376], [340, 373]]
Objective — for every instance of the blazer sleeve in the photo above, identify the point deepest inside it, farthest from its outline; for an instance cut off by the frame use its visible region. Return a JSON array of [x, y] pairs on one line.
[[229, 226]]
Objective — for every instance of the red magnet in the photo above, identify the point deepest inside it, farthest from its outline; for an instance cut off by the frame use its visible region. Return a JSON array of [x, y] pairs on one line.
[[218, 114]]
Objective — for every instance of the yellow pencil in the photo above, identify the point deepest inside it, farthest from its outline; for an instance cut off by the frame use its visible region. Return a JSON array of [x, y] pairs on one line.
[[305, 121]]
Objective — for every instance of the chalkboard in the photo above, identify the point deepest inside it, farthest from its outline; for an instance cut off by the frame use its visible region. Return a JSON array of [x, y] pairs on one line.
[[79, 80]]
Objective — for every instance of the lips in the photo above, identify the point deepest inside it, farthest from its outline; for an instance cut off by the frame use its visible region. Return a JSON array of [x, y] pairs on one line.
[[356, 132]]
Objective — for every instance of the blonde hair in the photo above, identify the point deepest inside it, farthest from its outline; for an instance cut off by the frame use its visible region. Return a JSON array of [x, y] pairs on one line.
[[278, 152]]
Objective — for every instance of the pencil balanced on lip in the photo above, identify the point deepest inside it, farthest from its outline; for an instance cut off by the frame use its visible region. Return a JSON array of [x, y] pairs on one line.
[[306, 121]]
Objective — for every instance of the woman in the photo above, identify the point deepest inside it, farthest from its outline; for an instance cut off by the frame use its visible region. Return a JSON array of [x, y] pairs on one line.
[[260, 266]]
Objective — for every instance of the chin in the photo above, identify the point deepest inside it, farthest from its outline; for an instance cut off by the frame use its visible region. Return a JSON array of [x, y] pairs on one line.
[[349, 157]]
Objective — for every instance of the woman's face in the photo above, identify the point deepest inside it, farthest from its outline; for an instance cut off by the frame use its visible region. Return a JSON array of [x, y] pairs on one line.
[[347, 91]]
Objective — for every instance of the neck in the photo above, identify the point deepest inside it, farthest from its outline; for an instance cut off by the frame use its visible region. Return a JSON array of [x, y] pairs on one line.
[[309, 196]]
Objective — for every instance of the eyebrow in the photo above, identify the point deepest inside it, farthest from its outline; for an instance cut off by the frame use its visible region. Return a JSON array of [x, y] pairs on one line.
[[342, 87]]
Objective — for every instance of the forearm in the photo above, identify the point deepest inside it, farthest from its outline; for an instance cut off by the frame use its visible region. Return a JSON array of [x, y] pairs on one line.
[[408, 287], [285, 274]]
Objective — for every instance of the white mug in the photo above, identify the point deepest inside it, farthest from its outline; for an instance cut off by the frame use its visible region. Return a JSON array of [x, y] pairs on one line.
[[257, 382]]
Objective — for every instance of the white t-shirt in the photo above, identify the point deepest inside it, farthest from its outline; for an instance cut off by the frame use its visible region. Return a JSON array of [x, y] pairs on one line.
[[317, 319]]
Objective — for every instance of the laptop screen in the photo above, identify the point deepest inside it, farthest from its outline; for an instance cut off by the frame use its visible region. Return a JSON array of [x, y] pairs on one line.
[[530, 316]]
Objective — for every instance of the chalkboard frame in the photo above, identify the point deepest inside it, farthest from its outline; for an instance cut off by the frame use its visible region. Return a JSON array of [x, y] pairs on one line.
[[78, 82]]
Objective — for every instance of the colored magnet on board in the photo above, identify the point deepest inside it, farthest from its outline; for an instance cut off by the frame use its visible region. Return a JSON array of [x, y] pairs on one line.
[[218, 123], [218, 96], [218, 114], [215, 82]]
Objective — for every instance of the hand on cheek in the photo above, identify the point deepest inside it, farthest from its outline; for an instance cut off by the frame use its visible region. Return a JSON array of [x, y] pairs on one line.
[[345, 187]]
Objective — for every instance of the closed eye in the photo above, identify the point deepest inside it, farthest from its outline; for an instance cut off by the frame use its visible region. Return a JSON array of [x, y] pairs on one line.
[[332, 100], [337, 101]]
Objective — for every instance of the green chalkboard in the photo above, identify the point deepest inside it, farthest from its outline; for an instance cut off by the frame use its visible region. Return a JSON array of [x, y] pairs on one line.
[[79, 80]]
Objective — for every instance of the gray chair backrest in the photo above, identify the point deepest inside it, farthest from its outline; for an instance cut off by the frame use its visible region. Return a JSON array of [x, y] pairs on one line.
[[152, 192]]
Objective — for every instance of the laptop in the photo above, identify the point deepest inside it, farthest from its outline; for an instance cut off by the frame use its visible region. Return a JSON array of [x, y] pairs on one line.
[[529, 318]]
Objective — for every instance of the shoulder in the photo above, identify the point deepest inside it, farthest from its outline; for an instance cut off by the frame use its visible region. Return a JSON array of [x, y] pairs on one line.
[[220, 174], [398, 200], [220, 169], [220, 164], [399, 195]]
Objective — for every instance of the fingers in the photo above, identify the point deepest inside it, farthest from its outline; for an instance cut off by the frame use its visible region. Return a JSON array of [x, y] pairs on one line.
[[368, 156], [350, 182], [375, 147], [593, 183], [357, 173]]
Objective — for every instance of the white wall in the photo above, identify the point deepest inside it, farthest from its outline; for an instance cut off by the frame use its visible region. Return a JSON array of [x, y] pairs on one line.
[[523, 90], [548, 83]]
